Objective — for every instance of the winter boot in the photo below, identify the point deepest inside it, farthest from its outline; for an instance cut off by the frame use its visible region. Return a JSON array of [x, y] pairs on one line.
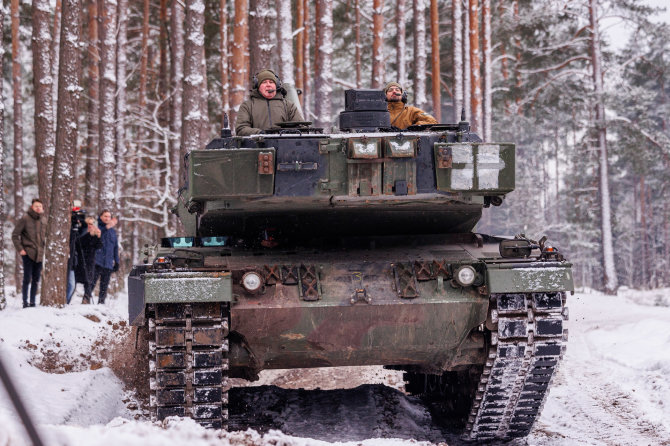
[[86, 300]]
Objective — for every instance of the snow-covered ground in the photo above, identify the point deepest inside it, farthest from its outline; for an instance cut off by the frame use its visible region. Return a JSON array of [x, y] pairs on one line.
[[613, 387]]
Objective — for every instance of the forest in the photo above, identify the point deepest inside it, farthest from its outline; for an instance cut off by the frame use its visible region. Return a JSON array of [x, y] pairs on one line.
[[101, 100]]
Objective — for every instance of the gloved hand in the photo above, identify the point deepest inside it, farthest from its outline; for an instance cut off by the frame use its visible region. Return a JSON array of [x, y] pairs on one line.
[[115, 268]]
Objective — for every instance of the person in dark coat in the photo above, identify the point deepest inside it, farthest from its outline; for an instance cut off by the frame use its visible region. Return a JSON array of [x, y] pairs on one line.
[[28, 238], [86, 246], [107, 257]]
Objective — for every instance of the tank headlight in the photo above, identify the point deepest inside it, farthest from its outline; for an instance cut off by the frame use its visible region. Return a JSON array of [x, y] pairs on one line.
[[252, 281], [401, 149], [365, 148], [465, 275]]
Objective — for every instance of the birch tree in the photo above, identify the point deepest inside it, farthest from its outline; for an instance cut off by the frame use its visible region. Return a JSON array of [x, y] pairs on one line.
[[108, 85], [377, 81], [323, 83], [43, 85], [419, 11], [435, 59], [58, 226]]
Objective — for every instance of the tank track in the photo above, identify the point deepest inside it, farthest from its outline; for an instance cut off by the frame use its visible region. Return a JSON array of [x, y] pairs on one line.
[[524, 353], [502, 400], [188, 362]]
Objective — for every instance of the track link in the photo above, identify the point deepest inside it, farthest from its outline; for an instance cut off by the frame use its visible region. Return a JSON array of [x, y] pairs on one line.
[[188, 362], [524, 353]]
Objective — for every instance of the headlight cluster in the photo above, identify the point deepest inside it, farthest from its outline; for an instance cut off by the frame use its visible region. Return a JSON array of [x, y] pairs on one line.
[[365, 148]]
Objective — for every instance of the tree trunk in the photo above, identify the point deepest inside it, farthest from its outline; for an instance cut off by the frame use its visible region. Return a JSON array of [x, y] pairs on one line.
[[300, 49], [435, 52], [262, 45], [3, 214], [401, 57], [486, 49], [466, 62], [43, 86], [610, 279], [55, 54], [517, 56], [457, 54], [644, 262], [93, 118], [194, 83], [163, 72], [177, 152], [223, 63], [285, 40], [120, 124], [18, 128], [58, 226], [144, 58], [108, 85], [377, 44], [239, 71], [323, 83], [419, 9], [357, 32], [475, 74], [307, 72]]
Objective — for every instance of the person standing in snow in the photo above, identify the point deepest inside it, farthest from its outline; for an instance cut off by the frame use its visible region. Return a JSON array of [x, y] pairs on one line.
[[28, 238], [403, 115], [106, 258], [83, 269], [266, 106]]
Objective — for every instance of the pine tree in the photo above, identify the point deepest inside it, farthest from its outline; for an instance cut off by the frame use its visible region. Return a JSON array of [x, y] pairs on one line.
[[58, 226]]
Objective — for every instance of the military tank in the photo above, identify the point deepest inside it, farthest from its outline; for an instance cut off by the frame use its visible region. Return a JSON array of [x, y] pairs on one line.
[[306, 248]]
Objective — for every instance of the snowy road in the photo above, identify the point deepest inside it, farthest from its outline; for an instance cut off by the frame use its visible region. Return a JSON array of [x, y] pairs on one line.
[[612, 388]]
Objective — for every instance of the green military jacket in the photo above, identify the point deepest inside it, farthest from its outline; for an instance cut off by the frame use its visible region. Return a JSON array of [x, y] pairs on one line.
[[257, 113]]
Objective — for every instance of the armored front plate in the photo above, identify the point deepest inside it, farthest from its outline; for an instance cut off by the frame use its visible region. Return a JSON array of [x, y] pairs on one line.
[[529, 280], [188, 287], [219, 174], [474, 167]]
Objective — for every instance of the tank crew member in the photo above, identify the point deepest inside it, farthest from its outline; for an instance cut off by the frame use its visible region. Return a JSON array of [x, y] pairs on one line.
[[28, 238], [266, 106], [403, 115]]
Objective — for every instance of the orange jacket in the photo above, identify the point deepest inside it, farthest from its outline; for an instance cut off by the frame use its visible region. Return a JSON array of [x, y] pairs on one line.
[[402, 115]]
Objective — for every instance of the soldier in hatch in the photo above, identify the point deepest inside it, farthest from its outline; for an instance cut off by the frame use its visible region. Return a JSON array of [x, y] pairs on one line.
[[403, 115], [266, 106]]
